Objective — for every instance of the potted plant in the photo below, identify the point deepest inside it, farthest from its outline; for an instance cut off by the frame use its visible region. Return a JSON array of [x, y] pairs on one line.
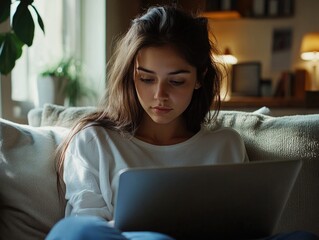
[[63, 84], [21, 32]]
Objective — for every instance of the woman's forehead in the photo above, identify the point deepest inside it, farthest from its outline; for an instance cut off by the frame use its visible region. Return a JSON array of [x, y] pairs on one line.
[[156, 56]]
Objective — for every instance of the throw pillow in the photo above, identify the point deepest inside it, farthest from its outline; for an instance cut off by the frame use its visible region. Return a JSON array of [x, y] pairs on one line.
[[29, 202]]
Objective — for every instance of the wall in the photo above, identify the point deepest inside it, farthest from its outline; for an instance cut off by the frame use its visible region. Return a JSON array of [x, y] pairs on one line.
[[251, 39], [118, 18]]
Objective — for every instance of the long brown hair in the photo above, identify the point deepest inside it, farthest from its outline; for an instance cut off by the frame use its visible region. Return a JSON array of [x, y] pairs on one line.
[[120, 109]]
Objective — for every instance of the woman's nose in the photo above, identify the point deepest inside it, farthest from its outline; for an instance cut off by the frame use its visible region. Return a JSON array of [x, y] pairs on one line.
[[161, 91]]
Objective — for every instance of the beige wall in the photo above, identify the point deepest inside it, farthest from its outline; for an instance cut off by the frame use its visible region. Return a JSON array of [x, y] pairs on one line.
[[251, 39]]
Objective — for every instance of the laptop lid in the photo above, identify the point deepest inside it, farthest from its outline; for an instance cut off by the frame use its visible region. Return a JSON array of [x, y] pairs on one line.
[[231, 201]]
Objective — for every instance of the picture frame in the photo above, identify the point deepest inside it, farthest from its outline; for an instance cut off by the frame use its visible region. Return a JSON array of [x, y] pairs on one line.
[[246, 78]]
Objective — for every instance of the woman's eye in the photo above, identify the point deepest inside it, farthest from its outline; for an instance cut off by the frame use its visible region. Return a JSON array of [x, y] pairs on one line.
[[146, 80], [176, 83]]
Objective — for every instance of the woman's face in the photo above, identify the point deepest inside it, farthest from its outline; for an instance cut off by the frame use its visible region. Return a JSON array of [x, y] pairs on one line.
[[164, 83]]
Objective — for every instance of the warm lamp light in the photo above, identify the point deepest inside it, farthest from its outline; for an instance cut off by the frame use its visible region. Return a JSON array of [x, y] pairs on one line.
[[310, 47], [227, 57], [221, 15], [310, 52]]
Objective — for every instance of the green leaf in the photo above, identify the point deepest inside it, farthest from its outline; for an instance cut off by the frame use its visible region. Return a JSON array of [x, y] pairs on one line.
[[27, 2], [39, 19], [23, 24], [10, 51], [18, 44], [4, 9]]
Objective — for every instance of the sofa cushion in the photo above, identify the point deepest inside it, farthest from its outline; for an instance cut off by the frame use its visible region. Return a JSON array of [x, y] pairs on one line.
[[275, 138], [29, 202]]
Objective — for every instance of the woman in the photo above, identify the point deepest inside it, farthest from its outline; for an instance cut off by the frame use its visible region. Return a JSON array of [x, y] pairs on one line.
[[162, 83]]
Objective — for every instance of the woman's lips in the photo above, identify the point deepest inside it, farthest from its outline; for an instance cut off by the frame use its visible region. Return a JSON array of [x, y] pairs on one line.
[[159, 109]]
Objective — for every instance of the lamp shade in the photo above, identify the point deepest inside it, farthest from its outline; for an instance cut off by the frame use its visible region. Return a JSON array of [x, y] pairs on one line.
[[227, 57], [310, 46]]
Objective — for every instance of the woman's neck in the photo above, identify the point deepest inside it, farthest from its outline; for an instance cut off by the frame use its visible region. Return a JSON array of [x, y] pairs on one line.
[[163, 134]]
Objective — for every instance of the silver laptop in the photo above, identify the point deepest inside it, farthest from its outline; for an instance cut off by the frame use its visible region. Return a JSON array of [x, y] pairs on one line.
[[231, 201]]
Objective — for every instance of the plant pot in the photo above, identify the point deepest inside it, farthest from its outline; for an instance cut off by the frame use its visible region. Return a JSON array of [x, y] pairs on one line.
[[51, 90]]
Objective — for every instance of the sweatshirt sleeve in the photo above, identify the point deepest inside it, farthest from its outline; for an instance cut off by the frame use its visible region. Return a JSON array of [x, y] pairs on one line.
[[83, 167], [238, 148]]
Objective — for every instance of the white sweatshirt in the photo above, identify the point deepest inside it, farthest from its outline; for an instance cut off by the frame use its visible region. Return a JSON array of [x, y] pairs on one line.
[[95, 156]]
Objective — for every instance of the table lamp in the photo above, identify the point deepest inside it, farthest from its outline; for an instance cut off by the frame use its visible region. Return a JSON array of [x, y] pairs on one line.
[[228, 59], [310, 52]]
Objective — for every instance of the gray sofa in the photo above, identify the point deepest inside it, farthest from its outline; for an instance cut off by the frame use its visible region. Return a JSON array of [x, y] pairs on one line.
[[29, 204]]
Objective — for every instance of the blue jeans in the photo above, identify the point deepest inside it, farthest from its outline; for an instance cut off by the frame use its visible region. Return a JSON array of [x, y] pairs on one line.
[[90, 227], [95, 228]]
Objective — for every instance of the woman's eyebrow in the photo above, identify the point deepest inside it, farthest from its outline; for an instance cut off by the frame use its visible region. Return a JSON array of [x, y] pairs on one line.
[[145, 70], [179, 72], [171, 73]]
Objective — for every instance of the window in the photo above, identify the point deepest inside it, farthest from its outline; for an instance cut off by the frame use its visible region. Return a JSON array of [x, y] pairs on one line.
[[46, 50], [72, 28]]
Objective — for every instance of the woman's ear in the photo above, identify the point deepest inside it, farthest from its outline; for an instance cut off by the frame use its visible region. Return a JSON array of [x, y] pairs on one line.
[[204, 73], [197, 85]]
